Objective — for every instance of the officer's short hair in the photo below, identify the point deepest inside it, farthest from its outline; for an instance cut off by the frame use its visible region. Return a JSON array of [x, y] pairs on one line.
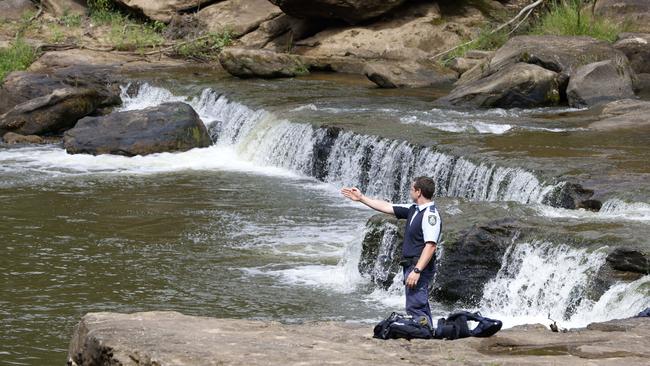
[[426, 186]]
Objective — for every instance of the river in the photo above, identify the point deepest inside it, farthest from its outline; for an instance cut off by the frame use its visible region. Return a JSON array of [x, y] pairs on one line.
[[254, 226]]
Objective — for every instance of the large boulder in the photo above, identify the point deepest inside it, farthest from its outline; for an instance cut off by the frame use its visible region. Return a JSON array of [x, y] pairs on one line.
[[623, 114], [164, 128], [518, 85], [247, 63], [238, 17], [555, 53], [410, 33], [52, 113], [636, 12], [471, 260], [351, 11], [411, 75], [636, 46], [66, 7], [15, 9], [598, 83], [39, 103], [162, 10]]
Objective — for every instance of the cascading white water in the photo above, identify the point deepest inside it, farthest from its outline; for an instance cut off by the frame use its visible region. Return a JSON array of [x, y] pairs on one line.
[[541, 279], [381, 167]]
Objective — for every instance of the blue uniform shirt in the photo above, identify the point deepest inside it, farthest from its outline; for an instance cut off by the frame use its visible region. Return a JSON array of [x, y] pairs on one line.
[[423, 224]]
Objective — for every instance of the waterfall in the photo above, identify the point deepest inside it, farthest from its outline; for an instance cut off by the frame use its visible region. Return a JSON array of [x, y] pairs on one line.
[[381, 167], [541, 279]]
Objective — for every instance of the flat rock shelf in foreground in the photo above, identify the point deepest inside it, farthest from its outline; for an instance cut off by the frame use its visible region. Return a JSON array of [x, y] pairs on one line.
[[171, 338]]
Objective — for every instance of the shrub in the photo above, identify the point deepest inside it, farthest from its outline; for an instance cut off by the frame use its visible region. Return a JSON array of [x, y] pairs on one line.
[[570, 18], [17, 57]]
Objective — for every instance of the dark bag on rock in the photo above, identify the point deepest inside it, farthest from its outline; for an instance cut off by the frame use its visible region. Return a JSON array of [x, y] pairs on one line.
[[455, 326], [402, 326]]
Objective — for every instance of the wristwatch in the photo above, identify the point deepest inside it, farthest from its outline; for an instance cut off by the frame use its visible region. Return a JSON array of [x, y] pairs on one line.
[[416, 270]]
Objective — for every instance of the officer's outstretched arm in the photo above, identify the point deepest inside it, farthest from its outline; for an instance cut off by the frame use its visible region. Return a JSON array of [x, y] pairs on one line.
[[355, 194]]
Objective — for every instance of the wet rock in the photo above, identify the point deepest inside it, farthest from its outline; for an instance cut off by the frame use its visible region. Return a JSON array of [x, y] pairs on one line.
[[571, 196], [598, 83], [467, 263], [412, 75], [238, 17], [164, 128], [519, 85], [162, 10], [15, 9], [322, 150], [636, 46], [52, 113], [247, 63], [623, 114], [351, 11], [66, 7], [14, 138], [555, 53], [635, 12], [20, 87], [629, 260], [382, 249], [171, 338]]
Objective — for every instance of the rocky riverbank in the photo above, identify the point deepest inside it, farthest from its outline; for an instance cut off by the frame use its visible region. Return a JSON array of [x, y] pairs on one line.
[[171, 338]]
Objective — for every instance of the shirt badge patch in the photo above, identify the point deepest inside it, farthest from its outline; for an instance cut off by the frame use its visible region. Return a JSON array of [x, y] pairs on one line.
[[432, 220]]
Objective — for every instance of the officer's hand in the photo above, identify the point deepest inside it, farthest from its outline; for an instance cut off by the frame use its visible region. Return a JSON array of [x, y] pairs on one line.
[[412, 279], [352, 193]]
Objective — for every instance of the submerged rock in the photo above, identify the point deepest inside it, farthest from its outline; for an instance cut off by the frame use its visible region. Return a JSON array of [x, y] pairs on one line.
[[351, 11], [247, 63], [623, 114], [412, 75], [14, 138], [598, 83], [171, 338], [518, 85], [164, 128]]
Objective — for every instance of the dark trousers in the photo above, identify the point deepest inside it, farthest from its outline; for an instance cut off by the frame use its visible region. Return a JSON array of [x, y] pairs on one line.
[[417, 299]]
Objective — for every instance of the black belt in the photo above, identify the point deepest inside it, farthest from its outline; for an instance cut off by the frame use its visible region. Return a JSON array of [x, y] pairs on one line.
[[409, 261]]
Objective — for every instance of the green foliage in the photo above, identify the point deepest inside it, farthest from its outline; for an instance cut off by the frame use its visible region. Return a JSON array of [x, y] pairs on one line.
[[571, 18], [485, 41], [103, 12], [205, 48], [57, 35], [71, 20], [17, 57], [126, 35]]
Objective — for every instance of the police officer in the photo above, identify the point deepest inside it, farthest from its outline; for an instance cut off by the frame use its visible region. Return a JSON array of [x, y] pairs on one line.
[[422, 234]]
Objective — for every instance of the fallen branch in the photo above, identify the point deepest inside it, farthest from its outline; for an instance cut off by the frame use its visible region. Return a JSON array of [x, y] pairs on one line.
[[526, 10]]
